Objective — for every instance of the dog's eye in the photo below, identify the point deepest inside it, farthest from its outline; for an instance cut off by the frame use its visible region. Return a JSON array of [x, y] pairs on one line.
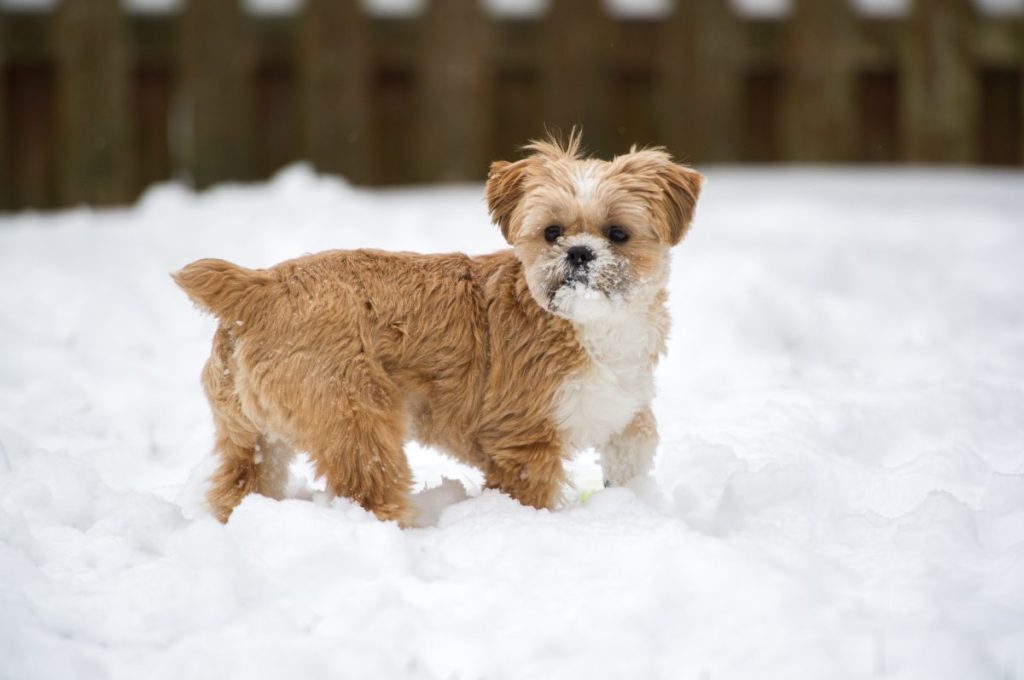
[[552, 233], [617, 235]]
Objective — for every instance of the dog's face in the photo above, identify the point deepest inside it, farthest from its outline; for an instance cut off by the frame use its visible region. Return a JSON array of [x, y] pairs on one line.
[[593, 236]]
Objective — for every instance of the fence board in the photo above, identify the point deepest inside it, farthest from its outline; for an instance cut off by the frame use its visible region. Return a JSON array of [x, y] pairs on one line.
[[999, 131], [701, 80], [335, 74], [393, 126], [939, 93], [517, 107], [93, 101], [635, 47], [761, 106], [275, 117], [819, 113], [576, 68], [31, 142], [456, 77], [5, 161], [1016, 29], [878, 133], [216, 68], [153, 87]]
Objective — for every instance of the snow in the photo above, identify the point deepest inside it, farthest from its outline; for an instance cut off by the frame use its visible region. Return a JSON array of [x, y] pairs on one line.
[[839, 491]]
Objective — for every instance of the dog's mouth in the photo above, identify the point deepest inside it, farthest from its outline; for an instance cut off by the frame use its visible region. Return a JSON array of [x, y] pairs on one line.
[[586, 292], [559, 294], [577, 275]]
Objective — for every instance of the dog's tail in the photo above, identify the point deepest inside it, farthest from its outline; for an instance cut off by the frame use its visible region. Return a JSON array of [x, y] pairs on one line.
[[220, 287]]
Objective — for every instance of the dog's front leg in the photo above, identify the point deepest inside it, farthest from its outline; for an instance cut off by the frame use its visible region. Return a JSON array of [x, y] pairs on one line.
[[630, 453], [531, 474]]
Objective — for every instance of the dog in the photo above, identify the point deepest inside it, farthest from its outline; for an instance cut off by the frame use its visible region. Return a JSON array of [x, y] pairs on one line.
[[509, 362]]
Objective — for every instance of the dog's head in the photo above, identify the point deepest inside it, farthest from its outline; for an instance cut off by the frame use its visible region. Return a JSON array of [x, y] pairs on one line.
[[592, 235]]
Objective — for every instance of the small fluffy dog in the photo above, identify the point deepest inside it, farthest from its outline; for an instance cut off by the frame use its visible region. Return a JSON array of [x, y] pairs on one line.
[[509, 362]]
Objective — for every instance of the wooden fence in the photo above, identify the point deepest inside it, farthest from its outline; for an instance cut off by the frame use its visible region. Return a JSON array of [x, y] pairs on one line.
[[97, 103]]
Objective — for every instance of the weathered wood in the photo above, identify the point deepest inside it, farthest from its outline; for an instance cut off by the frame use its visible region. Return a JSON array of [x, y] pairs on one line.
[[93, 102], [216, 69], [154, 82], [277, 120], [335, 75], [818, 112], [878, 134], [576, 70], [1017, 29], [701, 71], [761, 106], [455, 87], [5, 172], [87, 112], [32, 143], [393, 128], [999, 116], [635, 49], [518, 102], [276, 117], [939, 90]]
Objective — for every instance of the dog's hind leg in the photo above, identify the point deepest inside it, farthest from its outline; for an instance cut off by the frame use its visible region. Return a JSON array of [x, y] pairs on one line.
[[247, 462], [272, 459], [237, 474], [357, 444]]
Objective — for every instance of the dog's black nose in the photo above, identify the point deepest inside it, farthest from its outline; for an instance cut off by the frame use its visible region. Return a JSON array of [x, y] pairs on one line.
[[579, 255]]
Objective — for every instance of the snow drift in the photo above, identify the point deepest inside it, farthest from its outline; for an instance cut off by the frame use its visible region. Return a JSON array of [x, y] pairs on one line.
[[839, 490]]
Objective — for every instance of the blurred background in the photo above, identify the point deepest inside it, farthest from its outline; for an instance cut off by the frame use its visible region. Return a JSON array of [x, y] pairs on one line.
[[101, 98]]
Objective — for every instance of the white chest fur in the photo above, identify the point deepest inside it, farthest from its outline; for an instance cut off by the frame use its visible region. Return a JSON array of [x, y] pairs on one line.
[[600, 401]]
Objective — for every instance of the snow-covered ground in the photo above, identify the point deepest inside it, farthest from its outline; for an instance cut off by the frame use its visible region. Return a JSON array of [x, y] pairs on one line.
[[839, 492]]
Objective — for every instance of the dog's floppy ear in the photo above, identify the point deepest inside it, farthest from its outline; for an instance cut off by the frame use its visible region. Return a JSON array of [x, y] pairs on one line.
[[504, 189], [683, 186], [675, 186]]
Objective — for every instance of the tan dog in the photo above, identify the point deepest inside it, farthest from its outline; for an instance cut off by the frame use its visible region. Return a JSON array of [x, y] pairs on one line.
[[509, 362]]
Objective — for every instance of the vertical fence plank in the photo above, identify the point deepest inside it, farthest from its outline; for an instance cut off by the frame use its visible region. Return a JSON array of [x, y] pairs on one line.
[[393, 127], [761, 106], [32, 151], [878, 136], [1018, 30], [335, 71], [517, 111], [5, 170], [938, 82], [576, 69], [277, 121], [635, 49], [154, 77], [217, 70], [151, 108], [999, 114], [93, 101], [454, 90], [701, 79], [818, 111]]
